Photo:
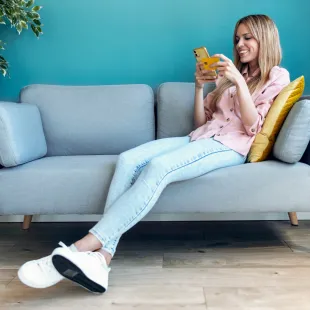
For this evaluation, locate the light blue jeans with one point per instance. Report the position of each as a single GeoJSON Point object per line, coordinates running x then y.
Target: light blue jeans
{"type": "Point", "coordinates": [143, 172]}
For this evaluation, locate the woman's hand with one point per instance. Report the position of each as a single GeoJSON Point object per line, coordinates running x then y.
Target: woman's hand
{"type": "Point", "coordinates": [226, 68]}
{"type": "Point", "coordinates": [203, 76]}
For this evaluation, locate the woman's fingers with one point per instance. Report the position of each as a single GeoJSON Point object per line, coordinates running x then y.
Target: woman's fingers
{"type": "Point", "coordinates": [205, 76]}
{"type": "Point", "coordinates": [220, 64]}
{"type": "Point", "coordinates": [223, 57]}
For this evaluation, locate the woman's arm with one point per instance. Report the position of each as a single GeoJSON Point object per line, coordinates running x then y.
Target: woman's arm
{"type": "Point", "coordinates": [248, 109]}
{"type": "Point", "coordinates": [200, 117]}
{"type": "Point", "coordinates": [253, 114]}
{"type": "Point", "coordinates": [279, 78]}
{"type": "Point", "coordinates": [202, 113]}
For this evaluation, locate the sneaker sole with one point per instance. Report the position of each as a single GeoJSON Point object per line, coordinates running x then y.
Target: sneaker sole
{"type": "Point", "coordinates": [70, 271]}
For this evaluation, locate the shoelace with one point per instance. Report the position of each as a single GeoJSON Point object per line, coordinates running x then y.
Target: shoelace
{"type": "Point", "coordinates": [46, 264]}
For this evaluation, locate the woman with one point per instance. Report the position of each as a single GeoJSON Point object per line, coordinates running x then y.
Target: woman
{"type": "Point", "coordinates": [226, 122]}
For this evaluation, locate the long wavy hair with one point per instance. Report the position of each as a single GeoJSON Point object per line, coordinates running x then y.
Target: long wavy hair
{"type": "Point", "coordinates": [264, 30]}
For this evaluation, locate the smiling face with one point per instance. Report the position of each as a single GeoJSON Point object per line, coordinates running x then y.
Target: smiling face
{"type": "Point", "coordinates": [246, 46]}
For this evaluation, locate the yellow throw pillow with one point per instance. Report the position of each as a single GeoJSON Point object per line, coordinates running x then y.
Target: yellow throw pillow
{"type": "Point", "coordinates": [275, 118]}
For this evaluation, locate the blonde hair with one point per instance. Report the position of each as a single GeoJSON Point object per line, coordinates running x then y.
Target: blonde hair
{"type": "Point", "coordinates": [264, 30]}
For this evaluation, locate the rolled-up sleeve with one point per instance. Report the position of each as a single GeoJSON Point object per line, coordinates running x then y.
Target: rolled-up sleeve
{"type": "Point", "coordinates": [264, 101]}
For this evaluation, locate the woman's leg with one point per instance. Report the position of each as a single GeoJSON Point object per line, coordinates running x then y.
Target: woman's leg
{"type": "Point", "coordinates": [90, 269]}
{"type": "Point", "coordinates": [129, 166]}
{"type": "Point", "coordinates": [189, 161]}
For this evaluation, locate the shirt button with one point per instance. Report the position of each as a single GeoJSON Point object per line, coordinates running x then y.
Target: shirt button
{"type": "Point", "coordinates": [221, 126]}
{"type": "Point", "coordinates": [228, 119]}
{"type": "Point", "coordinates": [231, 95]}
{"type": "Point", "coordinates": [231, 109]}
{"type": "Point", "coordinates": [252, 129]}
{"type": "Point", "coordinates": [218, 134]}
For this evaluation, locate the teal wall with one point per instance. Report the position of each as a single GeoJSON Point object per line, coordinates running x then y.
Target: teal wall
{"type": "Point", "coordinates": [142, 41]}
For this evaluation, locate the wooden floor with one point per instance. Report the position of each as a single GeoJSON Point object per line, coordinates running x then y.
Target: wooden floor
{"type": "Point", "coordinates": [172, 265]}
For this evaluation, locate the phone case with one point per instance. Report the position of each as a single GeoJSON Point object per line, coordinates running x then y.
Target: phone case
{"type": "Point", "coordinates": [202, 55]}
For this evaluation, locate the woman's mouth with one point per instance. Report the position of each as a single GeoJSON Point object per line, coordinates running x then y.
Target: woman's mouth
{"type": "Point", "coordinates": [243, 53]}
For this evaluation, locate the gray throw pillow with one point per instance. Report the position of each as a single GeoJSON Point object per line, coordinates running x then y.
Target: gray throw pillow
{"type": "Point", "coordinates": [294, 135]}
{"type": "Point", "coordinates": [21, 134]}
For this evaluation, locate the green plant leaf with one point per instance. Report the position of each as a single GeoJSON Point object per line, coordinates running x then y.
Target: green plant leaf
{"type": "Point", "coordinates": [35, 15]}
{"type": "Point", "coordinates": [36, 8]}
{"type": "Point", "coordinates": [19, 14]}
{"type": "Point", "coordinates": [24, 24]}
{"type": "Point", "coordinates": [33, 27]}
{"type": "Point", "coordinates": [29, 3]}
{"type": "Point", "coordinates": [3, 71]}
{"type": "Point", "coordinates": [19, 28]}
{"type": "Point", "coordinates": [35, 30]}
{"type": "Point", "coordinates": [37, 22]}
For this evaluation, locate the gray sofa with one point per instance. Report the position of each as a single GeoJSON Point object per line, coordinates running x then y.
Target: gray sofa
{"type": "Point", "coordinates": [87, 127]}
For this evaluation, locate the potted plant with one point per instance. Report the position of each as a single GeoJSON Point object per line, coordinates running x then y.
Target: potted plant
{"type": "Point", "coordinates": [19, 14]}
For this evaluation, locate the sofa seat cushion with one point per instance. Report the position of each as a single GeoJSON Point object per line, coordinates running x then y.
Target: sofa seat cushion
{"type": "Point", "coordinates": [57, 185]}
{"type": "Point", "coordinates": [269, 186]}
{"type": "Point", "coordinates": [80, 184]}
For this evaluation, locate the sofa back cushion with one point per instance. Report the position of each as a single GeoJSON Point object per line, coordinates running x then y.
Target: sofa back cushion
{"type": "Point", "coordinates": [294, 135]}
{"type": "Point", "coordinates": [93, 120]}
{"type": "Point", "coordinates": [175, 108]}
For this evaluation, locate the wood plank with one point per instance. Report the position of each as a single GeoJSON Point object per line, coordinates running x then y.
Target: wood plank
{"type": "Point", "coordinates": [21, 253]}
{"type": "Point", "coordinates": [214, 277]}
{"type": "Point", "coordinates": [7, 274]}
{"type": "Point", "coordinates": [137, 259]}
{"type": "Point", "coordinates": [169, 246]}
{"type": "Point", "coordinates": [63, 295]}
{"type": "Point", "coordinates": [257, 298]}
{"type": "Point", "coordinates": [299, 246]}
{"type": "Point", "coordinates": [246, 259]}
{"type": "Point", "coordinates": [76, 306]}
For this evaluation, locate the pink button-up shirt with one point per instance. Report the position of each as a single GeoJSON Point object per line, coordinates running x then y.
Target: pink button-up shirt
{"type": "Point", "coordinates": [225, 124]}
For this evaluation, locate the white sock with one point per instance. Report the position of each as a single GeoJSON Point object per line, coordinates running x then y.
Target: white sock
{"type": "Point", "coordinates": [73, 248]}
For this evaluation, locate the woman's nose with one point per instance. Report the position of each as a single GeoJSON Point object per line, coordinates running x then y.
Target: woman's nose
{"type": "Point", "coordinates": [240, 43]}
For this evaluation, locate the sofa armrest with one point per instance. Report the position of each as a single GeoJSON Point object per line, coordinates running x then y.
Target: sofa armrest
{"type": "Point", "coordinates": [21, 134]}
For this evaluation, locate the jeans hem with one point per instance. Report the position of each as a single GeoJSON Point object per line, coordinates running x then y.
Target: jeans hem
{"type": "Point", "coordinates": [101, 240]}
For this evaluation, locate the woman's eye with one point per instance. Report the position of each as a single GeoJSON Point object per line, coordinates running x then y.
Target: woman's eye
{"type": "Point", "coordinates": [248, 38]}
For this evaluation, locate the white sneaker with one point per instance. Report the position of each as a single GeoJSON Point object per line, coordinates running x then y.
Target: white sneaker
{"type": "Point", "coordinates": [88, 269]}
{"type": "Point", "coordinates": [41, 273]}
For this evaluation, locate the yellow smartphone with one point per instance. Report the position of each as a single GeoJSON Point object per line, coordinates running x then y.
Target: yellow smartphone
{"type": "Point", "coordinates": [201, 54]}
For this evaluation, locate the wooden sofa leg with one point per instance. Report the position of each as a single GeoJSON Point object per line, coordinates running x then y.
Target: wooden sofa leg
{"type": "Point", "coordinates": [293, 218]}
{"type": "Point", "coordinates": [27, 221]}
